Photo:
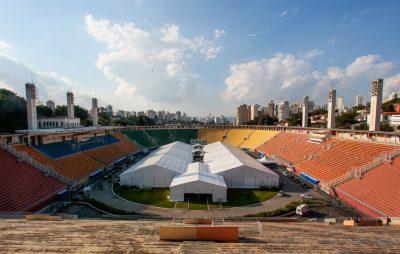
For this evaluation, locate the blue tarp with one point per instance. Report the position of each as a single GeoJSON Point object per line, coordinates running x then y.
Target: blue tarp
{"type": "Point", "coordinates": [309, 178]}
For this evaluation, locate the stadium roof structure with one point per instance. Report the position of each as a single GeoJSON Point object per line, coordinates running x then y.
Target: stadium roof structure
{"type": "Point", "coordinates": [222, 157]}
{"type": "Point", "coordinates": [65, 130]}
{"type": "Point", "coordinates": [198, 171]}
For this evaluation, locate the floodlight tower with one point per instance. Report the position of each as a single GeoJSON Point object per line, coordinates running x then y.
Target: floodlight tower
{"type": "Point", "coordinates": [331, 109]}
{"type": "Point", "coordinates": [94, 112]}
{"type": "Point", "coordinates": [31, 96]}
{"type": "Point", "coordinates": [376, 103]}
{"type": "Point", "coordinates": [304, 121]}
{"type": "Point", "coordinates": [70, 105]}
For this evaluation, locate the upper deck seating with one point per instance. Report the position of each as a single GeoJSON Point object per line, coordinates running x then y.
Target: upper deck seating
{"type": "Point", "coordinates": [23, 187]}
{"type": "Point", "coordinates": [60, 149]}
{"type": "Point", "coordinates": [378, 188]}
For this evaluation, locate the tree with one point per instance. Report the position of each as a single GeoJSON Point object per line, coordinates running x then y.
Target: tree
{"type": "Point", "coordinates": [319, 111]}
{"type": "Point", "coordinates": [362, 126]}
{"type": "Point", "coordinates": [263, 120]}
{"type": "Point", "coordinates": [295, 119]}
{"type": "Point", "coordinates": [345, 120]}
{"type": "Point", "coordinates": [135, 121]}
{"type": "Point", "coordinates": [386, 127]}
{"type": "Point", "coordinates": [81, 113]}
{"type": "Point", "coordinates": [104, 119]}
{"type": "Point", "coordinates": [12, 111]}
{"type": "Point", "coordinates": [44, 111]}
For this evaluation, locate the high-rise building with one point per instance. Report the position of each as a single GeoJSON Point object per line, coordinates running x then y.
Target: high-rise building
{"type": "Point", "coordinates": [31, 96]}
{"type": "Point", "coordinates": [94, 112]}
{"type": "Point", "coordinates": [294, 109]}
{"type": "Point", "coordinates": [304, 119]}
{"type": "Point", "coordinates": [271, 109]}
{"type": "Point", "coordinates": [376, 103]}
{"type": "Point", "coordinates": [70, 105]}
{"type": "Point", "coordinates": [359, 100]}
{"type": "Point", "coordinates": [51, 105]}
{"type": "Point", "coordinates": [283, 110]}
{"type": "Point", "coordinates": [109, 110]}
{"type": "Point", "coordinates": [254, 111]}
{"type": "Point", "coordinates": [340, 104]}
{"type": "Point", "coordinates": [241, 114]}
{"type": "Point", "coordinates": [331, 109]}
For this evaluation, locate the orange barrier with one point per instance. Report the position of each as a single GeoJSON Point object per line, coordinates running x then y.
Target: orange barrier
{"type": "Point", "coordinates": [222, 234]}
{"type": "Point", "coordinates": [44, 217]}
{"type": "Point", "coordinates": [205, 221]}
{"type": "Point", "coordinates": [362, 223]}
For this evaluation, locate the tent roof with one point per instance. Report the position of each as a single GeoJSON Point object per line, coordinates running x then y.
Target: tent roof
{"type": "Point", "coordinates": [174, 157]}
{"type": "Point", "coordinates": [222, 157]}
{"type": "Point", "coordinates": [198, 171]}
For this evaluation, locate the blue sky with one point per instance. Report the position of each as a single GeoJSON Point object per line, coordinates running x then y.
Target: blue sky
{"type": "Point", "coordinates": [198, 56]}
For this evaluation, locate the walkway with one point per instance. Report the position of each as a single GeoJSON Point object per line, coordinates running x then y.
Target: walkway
{"type": "Point", "coordinates": [292, 190]}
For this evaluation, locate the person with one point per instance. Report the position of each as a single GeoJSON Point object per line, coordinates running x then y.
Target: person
{"type": "Point", "coordinates": [388, 220]}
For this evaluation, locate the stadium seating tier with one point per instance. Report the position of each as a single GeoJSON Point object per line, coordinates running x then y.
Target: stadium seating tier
{"type": "Point", "coordinates": [23, 187]}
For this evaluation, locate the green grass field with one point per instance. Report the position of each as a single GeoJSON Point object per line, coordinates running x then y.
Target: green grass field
{"type": "Point", "coordinates": [158, 197]}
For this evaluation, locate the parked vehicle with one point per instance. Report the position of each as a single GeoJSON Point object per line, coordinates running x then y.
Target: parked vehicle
{"type": "Point", "coordinates": [302, 210]}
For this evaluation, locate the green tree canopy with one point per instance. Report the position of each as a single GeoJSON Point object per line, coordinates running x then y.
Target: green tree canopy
{"type": "Point", "coordinates": [12, 112]}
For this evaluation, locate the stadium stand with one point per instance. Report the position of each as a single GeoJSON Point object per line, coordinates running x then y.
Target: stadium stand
{"type": "Point", "coordinates": [23, 187]}
{"type": "Point", "coordinates": [160, 137]}
{"type": "Point", "coordinates": [376, 192]}
{"type": "Point", "coordinates": [257, 138]}
{"type": "Point", "coordinates": [140, 138]}
{"type": "Point", "coordinates": [236, 137]}
{"type": "Point", "coordinates": [60, 149]}
{"type": "Point", "coordinates": [124, 145]}
{"type": "Point", "coordinates": [326, 167]}
{"type": "Point", "coordinates": [105, 154]}
{"type": "Point", "coordinates": [184, 135]}
{"type": "Point", "coordinates": [75, 167]}
{"type": "Point", "coordinates": [212, 135]}
{"type": "Point", "coordinates": [278, 142]}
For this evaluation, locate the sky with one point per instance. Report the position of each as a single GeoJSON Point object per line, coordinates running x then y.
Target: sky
{"type": "Point", "coordinates": [198, 57]}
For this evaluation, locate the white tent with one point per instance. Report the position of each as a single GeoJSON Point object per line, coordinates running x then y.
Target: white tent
{"type": "Point", "coordinates": [238, 168]}
{"type": "Point", "coordinates": [198, 180]}
{"type": "Point", "coordinates": [159, 168]}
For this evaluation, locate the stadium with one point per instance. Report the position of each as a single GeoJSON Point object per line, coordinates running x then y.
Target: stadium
{"type": "Point", "coordinates": [175, 181]}
{"type": "Point", "coordinates": [312, 176]}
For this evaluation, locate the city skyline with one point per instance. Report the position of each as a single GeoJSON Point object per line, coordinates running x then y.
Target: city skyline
{"type": "Point", "coordinates": [154, 55]}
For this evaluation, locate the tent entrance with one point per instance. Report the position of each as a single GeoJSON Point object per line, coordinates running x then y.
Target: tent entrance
{"type": "Point", "coordinates": [196, 197]}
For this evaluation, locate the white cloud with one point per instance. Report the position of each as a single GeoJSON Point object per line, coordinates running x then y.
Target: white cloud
{"type": "Point", "coordinates": [312, 54]}
{"type": "Point", "coordinates": [151, 65]}
{"type": "Point", "coordinates": [285, 76]}
{"type": "Point", "coordinates": [4, 45]}
{"type": "Point", "coordinates": [14, 74]}
{"type": "Point", "coordinates": [260, 32]}
{"type": "Point", "coordinates": [284, 13]}
{"type": "Point", "coordinates": [4, 85]}
{"type": "Point", "coordinates": [218, 33]}
{"type": "Point", "coordinates": [332, 40]}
